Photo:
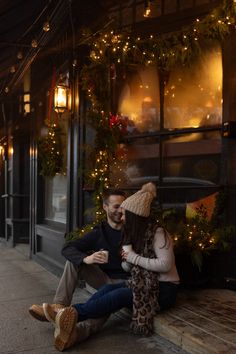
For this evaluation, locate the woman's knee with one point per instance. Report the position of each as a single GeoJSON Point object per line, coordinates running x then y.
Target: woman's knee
{"type": "Point", "coordinates": [110, 287]}
{"type": "Point", "coordinates": [124, 296]}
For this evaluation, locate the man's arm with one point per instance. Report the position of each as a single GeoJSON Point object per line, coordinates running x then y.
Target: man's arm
{"type": "Point", "coordinates": [76, 250]}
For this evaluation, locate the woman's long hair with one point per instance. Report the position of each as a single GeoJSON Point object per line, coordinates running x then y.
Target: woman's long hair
{"type": "Point", "coordinates": [134, 230]}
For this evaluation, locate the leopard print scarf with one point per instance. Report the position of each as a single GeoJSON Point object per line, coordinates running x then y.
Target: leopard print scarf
{"type": "Point", "coordinates": [145, 287]}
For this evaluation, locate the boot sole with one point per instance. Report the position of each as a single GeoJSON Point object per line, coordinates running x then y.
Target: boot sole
{"type": "Point", "coordinates": [64, 326]}
{"type": "Point", "coordinates": [37, 315]}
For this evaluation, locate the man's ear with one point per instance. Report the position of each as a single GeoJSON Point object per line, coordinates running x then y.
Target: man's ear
{"type": "Point", "coordinates": [104, 205]}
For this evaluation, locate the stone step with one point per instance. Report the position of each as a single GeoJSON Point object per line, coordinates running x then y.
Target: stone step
{"type": "Point", "coordinates": [202, 322]}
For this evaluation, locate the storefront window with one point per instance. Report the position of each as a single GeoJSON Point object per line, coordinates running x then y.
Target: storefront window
{"type": "Point", "coordinates": [139, 101]}
{"type": "Point", "coordinates": [191, 159]}
{"type": "Point", "coordinates": [193, 95]}
{"type": "Point", "coordinates": [139, 163]}
{"type": "Point", "coordinates": [56, 187]}
{"type": "Point", "coordinates": [55, 203]}
{"type": "Point", "coordinates": [179, 155]}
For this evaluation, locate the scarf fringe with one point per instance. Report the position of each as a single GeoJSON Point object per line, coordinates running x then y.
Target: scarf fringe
{"type": "Point", "coordinates": [144, 330]}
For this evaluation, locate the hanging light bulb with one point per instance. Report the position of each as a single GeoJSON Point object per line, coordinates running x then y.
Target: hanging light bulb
{"type": "Point", "coordinates": [34, 43]}
{"type": "Point", "coordinates": [12, 69]}
{"type": "Point", "coordinates": [19, 55]}
{"type": "Point", "coordinates": [147, 8]}
{"type": "Point", "coordinates": [46, 26]}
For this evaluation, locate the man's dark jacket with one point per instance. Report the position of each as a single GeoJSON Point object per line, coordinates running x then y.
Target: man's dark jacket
{"type": "Point", "coordinates": [103, 236]}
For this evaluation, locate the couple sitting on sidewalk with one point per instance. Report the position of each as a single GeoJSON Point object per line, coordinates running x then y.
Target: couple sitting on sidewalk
{"type": "Point", "coordinates": [148, 284]}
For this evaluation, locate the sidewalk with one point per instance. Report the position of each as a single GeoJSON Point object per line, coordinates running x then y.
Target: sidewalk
{"type": "Point", "coordinates": [24, 282]}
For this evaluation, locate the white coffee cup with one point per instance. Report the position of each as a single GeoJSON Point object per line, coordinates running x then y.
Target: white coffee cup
{"type": "Point", "coordinates": [106, 254]}
{"type": "Point", "coordinates": [127, 248]}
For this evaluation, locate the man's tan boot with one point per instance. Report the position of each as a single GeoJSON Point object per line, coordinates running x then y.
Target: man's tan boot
{"type": "Point", "coordinates": [50, 312]}
{"type": "Point", "coordinates": [65, 328]}
{"type": "Point", "coordinates": [37, 311]}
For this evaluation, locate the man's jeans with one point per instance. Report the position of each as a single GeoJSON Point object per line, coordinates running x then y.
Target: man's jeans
{"type": "Point", "coordinates": [113, 297]}
{"type": "Point", "coordinates": [92, 274]}
{"type": "Point", "coordinates": [108, 299]}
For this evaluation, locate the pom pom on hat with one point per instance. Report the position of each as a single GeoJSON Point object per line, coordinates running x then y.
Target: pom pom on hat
{"type": "Point", "coordinates": [140, 202]}
{"type": "Point", "coordinates": [149, 188]}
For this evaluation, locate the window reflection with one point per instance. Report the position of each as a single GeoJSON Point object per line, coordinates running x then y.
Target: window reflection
{"type": "Point", "coordinates": [139, 101]}
{"type": "Point", "coordinates": [56, 200]}
{"type": "Point", "coordinates": [56, 187]}
{"type": "Point", "coordinates": [196, 160]}
{"type": "Point", "coordinates": [193, 95]}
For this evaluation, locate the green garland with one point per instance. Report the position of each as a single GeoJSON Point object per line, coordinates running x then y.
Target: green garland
{"type": "Point", "coordinates": [50, 151]}
{"type": "Point", "coordinates": [199, 236]}
{"type": "Point", "coordinates": [164, 50]}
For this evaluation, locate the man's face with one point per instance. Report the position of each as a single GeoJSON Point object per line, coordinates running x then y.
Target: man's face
{"type": "Point", "coordinates": [113, 209]}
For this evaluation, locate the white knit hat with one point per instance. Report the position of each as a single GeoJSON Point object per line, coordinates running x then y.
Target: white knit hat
{"type": "Point", "coordinates": [140, 202]}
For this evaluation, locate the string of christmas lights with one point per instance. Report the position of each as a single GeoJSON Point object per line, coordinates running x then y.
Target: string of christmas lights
{"type": "Point", "coordinates": [167, 49]}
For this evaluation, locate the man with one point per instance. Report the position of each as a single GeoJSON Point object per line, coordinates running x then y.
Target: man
{"type": "Point", "coordinates": [85, 259]}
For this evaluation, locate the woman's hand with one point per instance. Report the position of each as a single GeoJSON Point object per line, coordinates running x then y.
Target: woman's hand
{"type": "Point", "coordinates": [124, 255]}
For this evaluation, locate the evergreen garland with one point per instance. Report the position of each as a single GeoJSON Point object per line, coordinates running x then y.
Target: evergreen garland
{"type": "Point", "coordinates": [50, 151]}
{"type": "Point", "coordinates": [164, 50]}
{"type": "Point", "coordinates": [199, 236]}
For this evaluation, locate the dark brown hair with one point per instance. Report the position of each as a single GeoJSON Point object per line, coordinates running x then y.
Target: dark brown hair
{"type": "Point", "coordinates": [110, 192]}
{"type": "Point", "coordinates": [135, 228]}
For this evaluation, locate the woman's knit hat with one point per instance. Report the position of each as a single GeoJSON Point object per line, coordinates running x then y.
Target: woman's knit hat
{"type": "Point", "coordinates": [140, 202]}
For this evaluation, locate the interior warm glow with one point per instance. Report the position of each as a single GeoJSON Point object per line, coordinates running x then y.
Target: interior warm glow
{"type": "Point", "coordinates": [10, 151]}
{"type": "Point", "coordinates": [139, 100]}
{"type": "Point", "coordinates": [192, 97]}
{"type": "Point", "coordinates": [147, 99]}
{"type": "Point", "coordinates": [196, 99]}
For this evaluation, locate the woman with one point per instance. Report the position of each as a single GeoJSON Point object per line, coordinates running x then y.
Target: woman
{"type": "Point", "coordinates": [153, 283]}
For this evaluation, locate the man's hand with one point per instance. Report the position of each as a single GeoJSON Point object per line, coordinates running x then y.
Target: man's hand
{"type": "Point", "coordinates": [96, 258]}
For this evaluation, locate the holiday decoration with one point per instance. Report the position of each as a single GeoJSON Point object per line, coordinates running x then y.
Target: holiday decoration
{"type": "Point", "coordinates": [164, 50]}
{"type": "Point", "coordinates": [199, 235]}
{"type": "Point", "coordinates": [50, 151]}
{"type": "Point", "coordinates": [111, 52]}
{"type": "Point", "coordinates": [208, 203]}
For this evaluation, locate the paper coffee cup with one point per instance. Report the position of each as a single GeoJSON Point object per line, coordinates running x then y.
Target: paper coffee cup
{"type": "Point", "coordinates": [127, 248]}
{"type": "Point", "coordinates": [106, 254]}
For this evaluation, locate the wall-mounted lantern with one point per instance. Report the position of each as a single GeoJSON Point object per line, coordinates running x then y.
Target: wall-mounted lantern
{"type": "Point", "coordinates": [147, 8]}
{"type": "Point", "coordinates": [1, 150]}
{"type": "Point", "coordinates": [61, 98]}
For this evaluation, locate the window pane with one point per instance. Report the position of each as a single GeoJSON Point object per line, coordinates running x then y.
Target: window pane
{"type": "Point", "coordinates": [139, 100]}
{"type": "Point", "coordinates": [56, 187]}
{"type": "Point", "coordinates": [55, 202]}
{"type": "Point", "coordinates": [137, 163]}
{"type": "Point", "coordinates": [192, 159]}
{"type": "Point", "coordinates": [193, 95]}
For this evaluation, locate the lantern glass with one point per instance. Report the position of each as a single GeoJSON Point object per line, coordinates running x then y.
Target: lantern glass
{"type": "Point", "coordinates": [61, 98]}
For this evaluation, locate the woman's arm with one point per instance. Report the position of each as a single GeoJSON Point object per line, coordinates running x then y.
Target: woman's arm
{"type": "Point", "coordinates": [164, 255]}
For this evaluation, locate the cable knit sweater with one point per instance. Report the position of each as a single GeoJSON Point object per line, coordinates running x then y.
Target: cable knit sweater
{"type": "Point", "coordinates": [164, 263]}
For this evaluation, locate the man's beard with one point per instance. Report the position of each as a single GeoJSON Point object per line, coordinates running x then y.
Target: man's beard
{"type": "Point", "coordinates": [115, 217]}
